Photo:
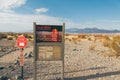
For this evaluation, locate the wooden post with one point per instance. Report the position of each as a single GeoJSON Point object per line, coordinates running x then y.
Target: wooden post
{"type": "Point", "coordinates": [34, 29]}
{"type": "Point", "coordinates": [63, 51]}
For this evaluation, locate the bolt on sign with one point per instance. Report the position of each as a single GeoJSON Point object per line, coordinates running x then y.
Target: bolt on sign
{"type": "Point", "coordinates": [49, 44]}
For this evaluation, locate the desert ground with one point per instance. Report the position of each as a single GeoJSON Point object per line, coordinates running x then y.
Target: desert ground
{"type": "Point", "coordinates": [86, 57]}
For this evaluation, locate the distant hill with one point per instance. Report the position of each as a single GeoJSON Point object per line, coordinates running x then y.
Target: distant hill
{"type": "Point", "coordinates": [90, 30]}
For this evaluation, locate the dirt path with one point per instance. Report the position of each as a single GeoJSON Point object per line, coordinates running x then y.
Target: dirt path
{"type": "Point", "coordinates": [10, 58]}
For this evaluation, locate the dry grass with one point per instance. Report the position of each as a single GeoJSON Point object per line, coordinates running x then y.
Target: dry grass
{"type": "Point", "coordinates": [106, 43]}
{"type": "Point", "coordinates": [114, 46]}
{"type": "Point", "coordinates": [72, 38]}
{"type": "Point", "coordinates": [92, 47]}
{"type": "Point", "coordinates": [83, 36]}
{"type": "Point", "coordinates": [89, 39]}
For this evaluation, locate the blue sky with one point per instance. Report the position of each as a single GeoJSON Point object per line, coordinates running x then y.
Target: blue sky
{"type": "Point", "coordinates": [19, 15]}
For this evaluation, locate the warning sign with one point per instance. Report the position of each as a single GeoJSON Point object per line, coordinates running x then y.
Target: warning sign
{"type": "Point", "coordinates": [48, 46]}
{"type": "Point", "coordinates": [49, 41]}
{"type": "Point", "coordinates": [21, 41]}
{"type": "Point", "coordinates": [48, 33]}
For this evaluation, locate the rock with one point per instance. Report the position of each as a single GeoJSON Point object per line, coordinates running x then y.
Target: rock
{"type": "Point", "coordinates": [58, 78]}
{"type": "Point", "coordinates": [74, 49]}
{"type": "Point", "coordinates": [112, 76]}
{"type": "Point", "coordinates": [17, 62]}
{"type": "Point", "coordinates": [1, 67]}
{"type": "Point", "coordinates": [17, 77]}
{"type": "Point", "coordinates": [11, 68]}
{"type": "Point", "coordinates": [97, 74]}
{"type": "Point", "coordinates": [4, 78]}
{"type": "Point", "coordinates": [28, 55]}
{"type": "Point", "coordinates": [25, 54]}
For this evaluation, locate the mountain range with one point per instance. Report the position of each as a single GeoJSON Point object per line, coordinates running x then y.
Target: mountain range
{"type": "Point", "coordinates": [90, 30]}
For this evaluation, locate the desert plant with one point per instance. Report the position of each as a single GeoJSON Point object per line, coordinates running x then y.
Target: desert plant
{"type": "Point", "coordinates": [11, 34]}
{"type": "Point", "coordinates": [3, 36]}
{"type": "Point", "coordinates": [10, 38]}
{"type": "Point", "coordinates": [75, 40]}
{"type": "Point", "coordinates": [29, 37]}
{"type": "Point", "coordinates": [114, 45]}
{"type": "Point", "coordinates": [16, 36]}
{"type": "Point", "coordinates": [67, 34]}
{"type": "Point", "coordinates": [95, 40]}
{"type": "Point", "coordinates": [89, 39]}
{"type": "Point", "coordinates": [107, 43]}
{"type": "Point", "coordinates": [106, 37]}
{"type": "Point", "coordinates": [83, 36]}
{"type": "Point", "coordinates": [92, 47]}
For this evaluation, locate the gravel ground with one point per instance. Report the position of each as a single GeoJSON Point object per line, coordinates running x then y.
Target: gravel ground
{"type": "Point", "coordinates": [80, 64]}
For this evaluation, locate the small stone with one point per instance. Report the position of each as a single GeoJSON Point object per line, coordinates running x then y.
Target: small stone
{"type": "Point", "coordinates": [1, 67]}
{"type": "Point", "coordinates": [74, 49]}
{"type": "Point", "coordinates": [112, 76]}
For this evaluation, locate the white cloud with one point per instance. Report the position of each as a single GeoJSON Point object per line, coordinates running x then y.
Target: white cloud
{"type": "Point", "coordinates": [41, 10]}
{"type": "Point", "coordinates": [20, 22]}
{"type": "Point", "coordinates": [8, 11]}
{"type": "Point", "coordinates": [8, 5]}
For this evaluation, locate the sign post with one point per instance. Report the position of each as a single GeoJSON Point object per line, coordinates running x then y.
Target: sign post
{"type": "Point", "coordinates": [22, 63]}
{"type": "Point", "coordinates": [21, 43]}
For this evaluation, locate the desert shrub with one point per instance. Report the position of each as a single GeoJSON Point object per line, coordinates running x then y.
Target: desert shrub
{"type": "Point", "coordinates": [16, 36]}
{"type": "Point", "coordinates": [92, 47]}
{"type": "Point", "coordinates": [3, 36]}
{"type": "Point", "coordinates": [10, 38]}
{"type": "Point", "coordinates": [67, 34]}
{"type": "Point", "coordinates": [70, 40]}
{"type": "Point", "coordinates": [106, 37]}
{"type": "Point", "coordinates": [114, 45]}
{"type": "Point", "coordinates": [95, 40]}
{"type": "Point", "coordinates": [83, 36]}
{"type": "Point", "coordinates": [66, 39]}
{"type": "Point", "coordinates": [26, 35]}
{"type": "Point", "coordinates": [76, 40]}
{"type": "Point", "coordinates": [106, 43]}
{"type": "Point", "coordinates": [29, 37]}
{"type": "Point", "coordinates": [11, 34]}
{"type": "Point", "coordinates": [89, 39]}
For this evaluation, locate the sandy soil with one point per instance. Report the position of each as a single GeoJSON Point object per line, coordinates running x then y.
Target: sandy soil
{"type": "Point", "coordinates": [11, 57]}
{"type": "Point", "coordinates": [80, 62]}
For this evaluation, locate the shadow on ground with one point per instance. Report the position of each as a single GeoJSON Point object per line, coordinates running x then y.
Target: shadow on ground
{"type": "Point", "coordinates": [94, 76]}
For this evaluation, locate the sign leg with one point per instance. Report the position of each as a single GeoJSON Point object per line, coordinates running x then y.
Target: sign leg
{"type": "Point", "coordinates": [21, 63]}
{"type": "Point", "coordinates": [22, 73]}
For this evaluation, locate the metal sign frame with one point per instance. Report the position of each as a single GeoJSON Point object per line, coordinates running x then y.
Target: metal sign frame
{"type": "Point", "coordinates": [37, 44]}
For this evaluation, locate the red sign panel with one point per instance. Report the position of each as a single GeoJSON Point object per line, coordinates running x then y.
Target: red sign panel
{"type": "Point", "coordinates": [48, 33]}
{"type": "Point", "coordinates": [21, 42]}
